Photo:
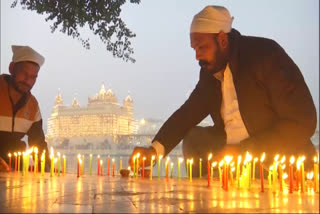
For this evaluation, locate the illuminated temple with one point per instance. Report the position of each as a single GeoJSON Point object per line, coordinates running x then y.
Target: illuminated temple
{"type": "Point", "coordinates": [103, 116]}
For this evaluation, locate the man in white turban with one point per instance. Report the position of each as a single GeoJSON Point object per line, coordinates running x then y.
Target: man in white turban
{"type": "Point", "coordinates": [253, 91]}
{"type": "Point", "coordinates": [19, 110]}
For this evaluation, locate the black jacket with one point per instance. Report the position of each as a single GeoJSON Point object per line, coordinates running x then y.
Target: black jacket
{"type": "Point", "coordinates": [274, 101]}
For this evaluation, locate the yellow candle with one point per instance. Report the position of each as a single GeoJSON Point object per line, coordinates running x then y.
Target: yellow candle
{"type": "Point", "coordinates": [36, 165]}
{"type": "Point", "coordinates": [19, 154]}
{"type": "Point", "coordinates": [200, 167]}
{"type": "Point", "coordinates": [64, 165]}
{"type": "Point", "coordinates": [52, 162]}
{"type": "Point", "coordinates": [316, 175]}
{"type": "Point", "coordinates": [254, 168]}
{"type": "Point", "coordinates": [151, 166]}
{"type": "Point", "coordinates": [191, 161]}
{"type": "Point", "coordinates": [59, 163]}
{"type": "Point", "coordinates": [179, 162]}
{"type": "Point", "coordinates": [137, 164]}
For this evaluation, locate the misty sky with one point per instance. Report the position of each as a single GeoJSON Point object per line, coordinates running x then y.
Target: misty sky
{"type": "Point", "coordinates": [166, 70]}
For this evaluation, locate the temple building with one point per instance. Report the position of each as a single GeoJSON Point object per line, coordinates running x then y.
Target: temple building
{"type": "Point", "coordinates": [103, 116]}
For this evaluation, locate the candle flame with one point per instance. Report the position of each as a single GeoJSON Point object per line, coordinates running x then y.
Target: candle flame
{"type": "Point", "coordinates": [55, 160]}
{"type": "Point", "coordinates": [214, 164]}
{"type": "Point", "coordinates": [79, 156]}
{"type": "Point", "coordinates": [152, 158]}
{"type": "Point", "coordinates": [42, 157]}
{"type": "Point", "coordinates": [262, 157]}
{"type": "Point", "coordinates": [129, 167]}
{"type": "Point", "coordinates": [51, 149]}
{"type": "Point", "coordinates": [315, 159]}
{"type": "Point", "coordinates": [303, 158]}
{"type": "Point", "coordinates": [221, 163]}
{"type": "Point", "coordinates": [112, 159]}
{"type": "Point", "coordinates": [15, 154]}
{"type": "Point", "coordinates": [298, 163]}
{"type": "Point", "coordinates": [138, 155]}
{"type": "Point", "coordinates": [284, 176]}
{"type": "Point", "coordinates": [36, 150]}
{"type": "Point", "coordinates": [171, 164]}
{"type": "Point", "coordinates": [58, 154]}
{"type": "Point", "coordinates": [232, 164]}
{"type": "Point", "coordinates": [160, 157]}
{"type": "Point", "coordinates": [101, 162]}
{"type": "Point", "coordinates": [63, 156]}
{"type": "Point", "coordinates": [239, 159]}
{"type": "Point", "coordinates": [283, 166]}
{"type": "Point", "coordinates": [283, 159]}
{"type": "Point", "coordinates": [144, 158]}
{"type": "Point", "coordinates": [311, 175]}
{"type": "Point", "coordinates": [248, 157]}
{"type": "Point", "coordinates": [90, 155]}
{"type": "Point", "coordinates": [9, 155]}
{"type": "Point", "coordinates": [255, 159]}
{"type": "Point", "coordinates": [168, 158]}
{"type": "Point", "coordinates": [98, 156]}
{"type": "Point", "coordinates": [292, 159]}
{"type": "Point", "coordinates": [210, 156]}
{"type": "Point", "coordinates": [191, 161]}
{"type": "Point", "coordinates": [233, 169]}
{"type": "Point", "coordinates": [19, 153]}
{"type": "Point", "coordinates": [180, 160]}
{"type": "Point", "coordinates": [276, 157]}
{"type": "Point", "coordinates": [270, 168]}
{"type": "Point", "coordinates": [228, 159]}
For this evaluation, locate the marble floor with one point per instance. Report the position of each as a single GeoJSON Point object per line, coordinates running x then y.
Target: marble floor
{"type": "Point", "coordinates": [103, 194]}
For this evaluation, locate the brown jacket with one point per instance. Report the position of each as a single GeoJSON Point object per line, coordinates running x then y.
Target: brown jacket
{"type": "Point", "coordinates": [274, 101]}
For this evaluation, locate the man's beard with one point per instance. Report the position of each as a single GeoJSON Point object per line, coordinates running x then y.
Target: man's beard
{"type": "Point", "coordinates": [219, 64]}
{"type": "Point", "coordinates": [17, 86]}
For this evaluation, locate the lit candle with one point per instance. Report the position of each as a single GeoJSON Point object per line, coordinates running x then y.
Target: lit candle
{"type": "Point", "coordinates": [212, 166]}
{"type": "Point", "coordinates": [19, 154]}
{"type": "Point", "coordinates": [31, 163]}
{"type": "Point", "coordinates": [23, 163]}
{"type": "Point", "coordinates": [231, 174]}
{"type": "Point", "coordinates": [238, 171]}
{"type": "Point", "coordinates": [55, 166]}
{"type": "Point", "coordinates": [227, 159]}
{"type": "Point", "coordinates": [191, 161]}
{"type": "Point", "coordinates": [52, 162]}
{"type": "Point", "coordinates": [261, 172]}
{"type": "Point", "coordinates": [9, 162]}
{"type": "Point", "coordinates": [59, 164]}
{"type": "Point", "coordinates": [269, 175]}
{"type": "Point", "coordinates": [137, 164]}
{"type": "Point", "coordinates": [159, 164]}
{"type": "Point", "coordinates": [151, 166]}
{"type": "Point", "coordinates": [90, 165]}
{"type": "Point", "coordinates": [101, 167]}
{"type": "Point", "coordinates": [167, 168]}
{"type": "Point", "coordinates": [281, 172]}
{"type": "Point", "coordinates": [200, 167]}
{"type": "Point", "coordinates": [254, 168]}
{"type": "Point", "coordinates": [108, 166]}
{"type": "Point", "coordinates": [64, 165]}
{"type": "Point", "coordinates": [15, 162]}
{"type": "Point", "coordinates": [78, 166]}
{"type": "Point", "coordinates": [188, 161]}
{"type": "Point", "coordinates": [316, 175]}
{"type": "Point", "coordinates": [143, 160]}
{"type": "Point", "coordinates": [208, 168]}
{"type": "Point", "coordinates": [302, 175]}
{"type": "Point", "coordinates": [36, 164]}
{"type": "Point", "coordinates": [179, 161]}
{"type": "Point", "coordinates": [98, 162]}
{"type": "Point", "coordinates": [274, 173]}
{"type": "Point", "coordinates": [113, 166]}
{"type": "Point", "coordinates": [291, 174]}
{"type": "Point", "coordinates": [42, 163]}
{"type": "Point", "coordinates": [171, 170]}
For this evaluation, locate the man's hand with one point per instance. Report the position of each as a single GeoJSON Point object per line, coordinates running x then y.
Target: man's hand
{"type": "Point", "coordinates": [3, 166]}
{"type": "Point", "coordinates": [144, 152]}
{"type": "Point", "coordinates": [228, 149]}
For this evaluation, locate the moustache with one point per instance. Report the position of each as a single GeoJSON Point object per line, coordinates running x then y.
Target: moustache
{"type": "Point", "coordinates": [24, 84]}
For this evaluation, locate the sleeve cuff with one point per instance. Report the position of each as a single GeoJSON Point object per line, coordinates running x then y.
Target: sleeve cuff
{"type": "Point", "coordinates": [159, 148]}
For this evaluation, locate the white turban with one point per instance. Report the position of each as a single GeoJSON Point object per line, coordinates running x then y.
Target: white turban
{"type": "Point", "coordinates": [212, 19]}
{"type": "Point", "coordinates": [25, 53]}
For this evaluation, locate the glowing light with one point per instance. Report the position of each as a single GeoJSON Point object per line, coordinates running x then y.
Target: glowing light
{"type": "Point", "coordinates": [214, 164]}
{"type": "Point", "coordinates": [210, 156]}
{"type": "Point", "coordinates": [262, 157]}
{"type": "Point", "coordinates": [292, 159]}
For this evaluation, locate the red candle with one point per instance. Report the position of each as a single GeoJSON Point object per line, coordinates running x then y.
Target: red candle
{"type": "Point", "coordinates": [208, 168]}
{"type": "Point", "coordinates": [9, 162]}
{"type": "Point", "coordinates": [108, 171]}
{"type": "Point", "coordinates": [143, 160]}
{"type": "Point", "coordinates": [226, 177]}
{"type": "Point", "coordinates": [98, 165]}
{"type": "Point", "coordinates": [113, 167]}
{"type": "Point", "coordinates": [167, 169]}
{"type": "Point", "coordinates": [31, 164]}
{"type": "Point", "coordinates": [291, 175]}
{"type": "Point", "coordinates": [78, 166]}
{"type": "Point", "coordinates": [101, 167]}
{"type": "Point", "coordinates": [261, 172]}
{"type": "Point", "coordinates": [15, 162]}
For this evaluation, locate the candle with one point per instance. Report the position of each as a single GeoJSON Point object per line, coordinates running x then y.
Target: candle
{"type": "Point", "coordinates": [284, 177]}
{"type": "Point", "coordinates": [59, 164]}
{"type": "Point", "coordinates": [316, 175]}
{"type": "Point", "coordinates": [27, 161]}
{"type": "Point", "coordinates": [15, 162]}
{"type": "Point", "coordinates": [137, 164]}
{"type": "Point", "coordinates": [98, 162]}
{"type": "Point", "coordinates": [269, 175]}
{"type": "Point", "coordinates": [90, 165]}
{"type": "Point", "coordinates": [23, 163]}
{"type": "Point", "coordinates": [19, 154]}
{"type": "Point", "coordinates": [191, 161]}
{"type": "Point", "coordinates": [208, 168]}
{"type": "Point", "coordinates": [36, 164]}
{"type": "Point", "coordinates": [159, 164]}
{"type": "Point", "coordinates": [55, 166]}
{"type": "Point", "coordinates": [167, 168]}
{"type": "Point", "coordinates": [254, 168]}
{"type": "Point", "coordinates": [281, 167]}
{"type": "Point", "coordinates": [227, 159]}
{"type": "Point", "coordinates": [188, 168]}
{"type": "Point", "coordinates": [78, 166]}
{"type": "Point", "coordinates": [291, 174]}
{"type": "Point", "coordinates": [274, 173]}
{"type": "Point", "coordinates": [113, 166]}
{"type": "Point", "coordinates": [143, 160]}
{"type": "Point", "coordinates": [212, 166]}
{"type": "Point", "coordinates": [302, 175]}
{"type": "Point", "coordinates": [31, 163]}
{"type": "Point", "coordinates": [151, 166]}
{"type": "Point", "coordinates": [261, 172]}
{"type": "Point", "coordinates": [200, 167]}
{"type": "Point", "coordinates": [9, 162]}
{"type": "Point", "coordinates": [171, 170]}
{"type": "Point", "coordinates": [179, 161]}
{"type": "Point", "coordinates": [238, 171]}
{"type": "Point", "coordinates": [101, 167]}
{"type": "Point", "coordinates": [231, 175]}
{"type": "Point", "coordinates": [52, 162]}
{"type": "Point", "coordinates": [64, 165]}
{"type": "Point", "coordinates": [108, 166]}
{"type": "Point", "coordinates": [42, 163]}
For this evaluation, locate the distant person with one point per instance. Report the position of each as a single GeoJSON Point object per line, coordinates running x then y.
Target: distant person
{"type": "Point", "coordinates": [253, 91]}
{"type": "Point", "coordinates": [19, 109]}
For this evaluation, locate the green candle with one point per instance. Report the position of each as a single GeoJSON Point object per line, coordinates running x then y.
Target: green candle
{"type": "Point", "coordinates": [171, 170]}
{"type": "Point", "coordinates": [191, 161]}
{"type": "Point", "coordinates": [59, 163]}
{"type": "Point", "coordinates": [179, 161]}
{"type": "Point", "coordinates": [90, 165]}
{"type": "Point", "coordinates": [159, 165]}
{"type": "Point", "coordinates": [200, 167]}
{"type": "Point", "coordinates": [187, 168]}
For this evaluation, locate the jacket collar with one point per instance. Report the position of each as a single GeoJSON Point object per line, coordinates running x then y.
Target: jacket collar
{"type": "Point", "coordinates": [234, 53]}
